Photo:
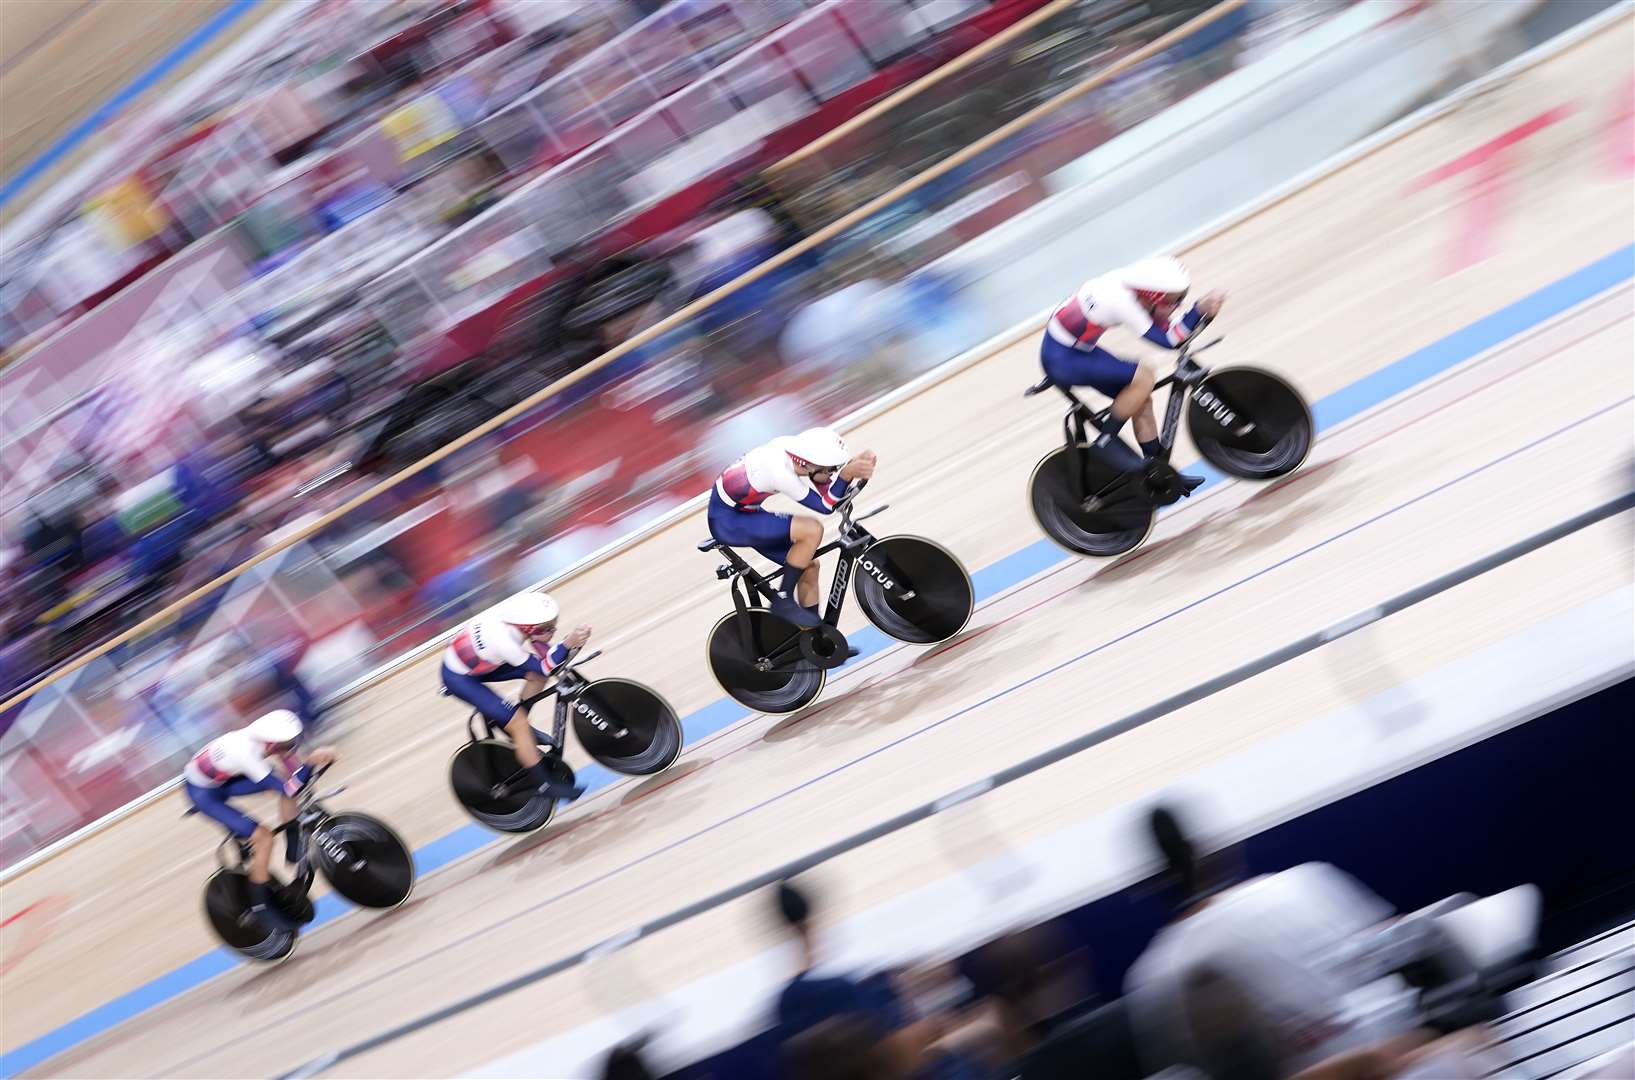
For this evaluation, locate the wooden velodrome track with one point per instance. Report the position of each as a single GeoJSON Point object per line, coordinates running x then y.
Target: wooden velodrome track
{"type": "Point", "coordinates": [1329, 286]}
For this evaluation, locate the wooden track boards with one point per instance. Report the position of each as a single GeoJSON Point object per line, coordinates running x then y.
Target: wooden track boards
{"type": "Point", "coordinates": [1327, 286]}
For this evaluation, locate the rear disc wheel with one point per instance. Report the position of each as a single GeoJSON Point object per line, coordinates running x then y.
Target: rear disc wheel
{"type": "Point", "coordinates": [227, 906]}
{"type": "Point", "coordinates": [487, 781]}
{"type": "Point", "coordinates": [769, 674]}
{"type": "Point", "coordinates": [1054, 495]}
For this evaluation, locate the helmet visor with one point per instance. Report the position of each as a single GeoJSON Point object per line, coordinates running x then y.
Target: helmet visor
{"type": "Point", "coordinates": [812, 465]}
{"type": "Point", "coordinates": [1173, 298]}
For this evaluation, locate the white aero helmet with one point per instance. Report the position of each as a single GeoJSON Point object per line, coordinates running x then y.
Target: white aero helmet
{"type": "Point", "coordinates": [529, 609]}
{"type": "Point", "coordinates": [1156, 277]}
{"type": "Point", "coordinates": [278, 728]}
{"type": "Point", "coordinates": [818, 448]}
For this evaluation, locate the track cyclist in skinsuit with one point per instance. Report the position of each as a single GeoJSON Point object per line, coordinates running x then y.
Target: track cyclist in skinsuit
{"type": "Point", "coordinates": [813, 468]}
{"type": "Point", "coordinates": [511, 641]}
{"type": "Point", "coordinates": [260, 757]}
{"type": "Point", "coordinates": [1145, 298]}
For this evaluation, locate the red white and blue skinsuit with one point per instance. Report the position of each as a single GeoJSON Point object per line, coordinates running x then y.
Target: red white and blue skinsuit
{"type": "Point", "coordinates": [1070, 353]}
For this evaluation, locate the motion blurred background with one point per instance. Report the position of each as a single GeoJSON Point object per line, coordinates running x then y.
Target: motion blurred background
{"type": "Point", "coordinates": [410, 217]}
{"type": "Point", "coordinates": [367, 230]}
{"type": "Point", "coordinates": [399, 220]}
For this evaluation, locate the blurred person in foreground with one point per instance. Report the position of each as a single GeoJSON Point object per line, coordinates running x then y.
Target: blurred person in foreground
{"type": "Point", "coordinates": [258, 757]}
{"type": "Point", "coordinates": [914, 1023]}
{"type": "Point", "coordinates": [627, 1062]}
{"type": "Point", "coordinates": [1051, 1020]}
{"type": "Point", "coordinates": [1266, 977]}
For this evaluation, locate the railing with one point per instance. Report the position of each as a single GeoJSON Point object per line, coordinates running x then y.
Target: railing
{"type": "Point", "coordinates": [717, 28]}
{"type": "Point", "coordinates": [672, 142]}
{"type": "Point", "coordinates": [631, 435]}
{"type": "Point", "coordinates": [593, 95]}
{"type": "Point", "coordinates": [221, 176]}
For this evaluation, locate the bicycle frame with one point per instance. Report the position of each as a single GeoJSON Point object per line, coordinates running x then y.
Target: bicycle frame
{"type": "Point", "coordinates": [309, 815]}
{"type": "Point", "coordinates": [1184, 381]}
{"type": "Point", "coordinates": [751, 590]}
{"type": "Point", "coordinates": [566, 685]}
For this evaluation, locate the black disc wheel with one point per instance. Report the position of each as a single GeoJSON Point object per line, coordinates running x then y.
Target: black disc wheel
{"type": "Point", "coordinates": [364, 860]}
{"type": "Point", "coordinates": [757, 659]}
{"type": "Point", "coordinates": [1250, 423]}
{"type": "Point", "coordinates": [493, 787]}
{"type": "Point", "coordinates": [227, 906]}
{"type": "Point", "coordinates": [913, 589]}
{"type": "Point", "coordinates": [1057, 493]}
{"type": "Point", "coordinates": [627, 727]}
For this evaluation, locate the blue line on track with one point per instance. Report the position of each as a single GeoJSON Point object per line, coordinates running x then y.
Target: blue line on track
{"type": "Point", "coordinates": [1373, 389]}
{"type": "Point", "coordinates": [80, 132]}
{"type": "Point", "coordinates": [539, 906]}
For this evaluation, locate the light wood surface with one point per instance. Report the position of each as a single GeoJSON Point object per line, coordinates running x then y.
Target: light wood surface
{"type": "Point", "coordinates": [175, 608]}
{"type": "Point", "coordinates": [61, 59]}
{"type": "Point", "coordinates": [1326, 286]}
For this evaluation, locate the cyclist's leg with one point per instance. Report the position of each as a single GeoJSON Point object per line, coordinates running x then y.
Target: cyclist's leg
{"type": "Point", "coordinates": [261, 838]}
{"type": "Point", "coordinates": [1135, 402]}
{"type": "Point", "coordinates": [1128, 384]}
{"type": "Point", "coordinates": [513, 718]}
{"type": "Point", "coordinates": [212, 802]}
{"type": "Point", "coordinates": [789, 541]}
{"type": "Point", "coordinates": [805, 534]}
{"type": "Point", "coordinates": [499, 713]}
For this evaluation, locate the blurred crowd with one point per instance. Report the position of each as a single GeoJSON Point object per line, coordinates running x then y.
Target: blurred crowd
{"type": "Point", "coordinates": [310, 406]}
{"type": "Point", "coordinates": [322, 407]}
{"type": "Point", "coordinates": [1303, 973]}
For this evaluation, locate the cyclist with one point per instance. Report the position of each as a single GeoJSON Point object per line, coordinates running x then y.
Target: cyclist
{"type": "Point", "coordinates": [260, 757]}
{"type": "Point", "coordinates": [813, 468]}
{"type": "Point", "coordinates": [1145, 298]}
{"type": "Point", "coordinates": [512, 641]}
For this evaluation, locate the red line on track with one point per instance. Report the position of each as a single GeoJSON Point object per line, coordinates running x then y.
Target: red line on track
{"type": "Point", "coordinates": [1279, 485]}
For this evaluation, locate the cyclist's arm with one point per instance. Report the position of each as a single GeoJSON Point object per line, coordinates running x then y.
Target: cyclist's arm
{"type": "Point", "coordinates": [1175, 334]}
{"type": "Point", "coordinates": [821, 499]}
{"type": "Point", "coordinates": [1124, 310]}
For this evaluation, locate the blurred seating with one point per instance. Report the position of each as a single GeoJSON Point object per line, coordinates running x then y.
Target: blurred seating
{"type": "Point", "coordinates": [350, 361]}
